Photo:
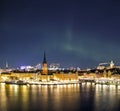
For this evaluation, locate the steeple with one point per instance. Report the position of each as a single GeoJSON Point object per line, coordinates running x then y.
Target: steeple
{"type": "Point", "coordinates": [44, 60]}
{"type": "Point", "coordinates": [111, 64]}
{"type": "Point", "coordinates": [6, 65]}
{"type": "Point", "coordinates": [44, 66]}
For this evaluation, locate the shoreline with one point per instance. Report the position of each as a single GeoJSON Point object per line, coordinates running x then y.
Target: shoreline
{"type": "Point", "coordinates": [100, 81]}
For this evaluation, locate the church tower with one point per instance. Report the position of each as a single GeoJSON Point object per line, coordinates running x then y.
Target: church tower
{"type": "Point", "coordinates": [44, 66]}
{"type": "Point", "coordinates": [6, 65]}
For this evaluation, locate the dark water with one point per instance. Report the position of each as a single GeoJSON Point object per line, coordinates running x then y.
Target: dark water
{"type": "Point", "coordinates": [59, 98]}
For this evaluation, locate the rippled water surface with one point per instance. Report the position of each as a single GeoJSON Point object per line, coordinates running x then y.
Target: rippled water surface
{"type": "Point", "coordinates": [59, 98]}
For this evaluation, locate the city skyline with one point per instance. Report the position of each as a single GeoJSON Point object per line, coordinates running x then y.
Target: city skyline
{"type": "Point", "coordinates": [53, 65]}
{"type": "Point", "coordinates": [75, 33]}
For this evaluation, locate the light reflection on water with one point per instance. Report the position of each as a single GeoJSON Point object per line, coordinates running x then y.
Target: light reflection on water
{"type": "Point", "coordinates": [107, 98]}
{"type": "Point", "coordinates": [72, 97]}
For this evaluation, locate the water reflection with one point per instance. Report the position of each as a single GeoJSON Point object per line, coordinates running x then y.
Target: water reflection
{"type": "Point", "coordinates": [107, 98]}
{"type": "Point", "coordinates": [72, 97]}
{"type": "Point", "coordinates": [13, 97]}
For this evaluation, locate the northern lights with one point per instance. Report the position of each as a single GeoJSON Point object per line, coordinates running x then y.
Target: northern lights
{"type": "Point", "coordinates": [72, 33]}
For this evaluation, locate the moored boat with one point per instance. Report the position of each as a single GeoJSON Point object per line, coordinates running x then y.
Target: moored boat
{"type": "Point", "coordinates": [10, 82]}
{"type": "Point", "coordinates": [20, 82]}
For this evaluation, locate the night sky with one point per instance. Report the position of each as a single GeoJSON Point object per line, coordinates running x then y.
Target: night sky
{"type": "Point", "coordinates": [79, 33]}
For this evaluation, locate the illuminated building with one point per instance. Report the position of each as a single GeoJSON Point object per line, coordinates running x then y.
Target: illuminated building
{"type": "Point", "coordinates": [54, 66]}
{"type": "Point", "coordinates": [106, 65]}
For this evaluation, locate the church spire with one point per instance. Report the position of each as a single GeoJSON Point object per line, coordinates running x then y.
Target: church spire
{"type": "Point", "coordinates": [44, 60]}
{"type": "Point", "coordinates": [44, 66]}
{"type": "Point", "coordinates": [6, 65]}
